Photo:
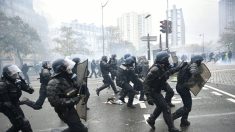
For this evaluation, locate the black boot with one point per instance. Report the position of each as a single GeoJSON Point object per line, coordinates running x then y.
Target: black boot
{"type": "Point", "coordinates": [97, 91]}
{"type": "Point", "coordinates": [184, 123]}
{"type": "Point", "coordinates": [174, 130]}
{"type": "Point", "coordinates": [123, 100]}
{"type": "Point", "coordinates": [130, 106]}
{"type": "Point", "coordinates": [151, 123]}
{"type": "Point", "coordinates": [171, 105]}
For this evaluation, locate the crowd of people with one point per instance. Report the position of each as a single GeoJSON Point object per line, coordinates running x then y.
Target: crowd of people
{"type": "Point", "coordinates": [63, 91]}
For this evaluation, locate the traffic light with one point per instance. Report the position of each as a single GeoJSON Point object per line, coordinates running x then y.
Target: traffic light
{"type": "Point", "coordinates": [169, 27]}
{"type": "Point", "coordinates": [163, 26]}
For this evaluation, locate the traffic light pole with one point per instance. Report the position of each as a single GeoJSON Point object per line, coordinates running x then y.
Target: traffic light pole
{"type": "Point", "coordinates": [167, 46]}
{"type": "Point", "coordinates": [160, 42]}
{"type": "Point", "coordinates": [148, 47]}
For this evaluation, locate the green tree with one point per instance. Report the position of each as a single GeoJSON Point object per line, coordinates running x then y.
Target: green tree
{"type": "Point", "coordinates": [17, 37]}
{"type": "Point", "coordinates": [70, 42]}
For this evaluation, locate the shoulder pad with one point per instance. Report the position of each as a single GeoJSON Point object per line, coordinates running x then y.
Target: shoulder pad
{"type": "Point", "coordinates": [154, 68]}
{"type": "Point", "coordinates": [53, 81]}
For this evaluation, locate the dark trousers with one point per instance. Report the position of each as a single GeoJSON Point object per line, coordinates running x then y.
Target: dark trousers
{"type": "Point", "coordinates": [187, 101]}
{"type": "Point", "coordinates": [113, 74]}
{"type": "Point", "coordinates": [93, 72]}
{"type": "Point", "coordinates": [127, 90]}
{"type": "Point", "coordinates": [107, 82]}
{"type": "Point", "coordinates": [169, 93]}
{"type": "Point", "coordinates": [42, 96]}
{"type": "Point", "coordinates": [17, 119]}
{"type": "Point", "coordinates": [161, 107]}
{"type": "Point", "coordinates": [71, 118]}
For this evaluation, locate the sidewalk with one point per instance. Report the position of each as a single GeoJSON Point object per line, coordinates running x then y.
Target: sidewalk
{"type": "Point", "coordinates": [222, 73]}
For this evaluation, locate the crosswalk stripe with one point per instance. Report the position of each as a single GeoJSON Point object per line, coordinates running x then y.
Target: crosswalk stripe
{"type": "Point", "coordinates": [216, 93]}
{"type": "Point", "coordinates": [223, 92]}
{"type": "Point", "coordinates": [142, 105]}
{"type": "Point", "coordinates": [146, 116]}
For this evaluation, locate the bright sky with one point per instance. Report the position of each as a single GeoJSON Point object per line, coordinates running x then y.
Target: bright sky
{"type": "Point", "coordinates": [201, 16]}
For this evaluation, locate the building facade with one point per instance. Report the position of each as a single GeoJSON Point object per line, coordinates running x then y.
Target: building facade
{"type": "Point", "coordinates": [177, 37]}
{"type": "Point", "coordinates": [226, 14]}
{"type": "Point", "coordinates": [133, 26]}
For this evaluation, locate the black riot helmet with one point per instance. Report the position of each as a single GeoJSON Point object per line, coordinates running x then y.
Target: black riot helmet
{"type": "Point", "coordinates": [104, 58]}
{"type": "Point", "coordinates": [129, 61]}
{"type": "Point", "coordinates": [11, 72]}
{"type": "Point", "coordinates": [126, 55]}
{"type": "Point", "coordinates": [62, 65]}
{"type": "Point", "coordinates": [113, 56]}
{"type": "Point", "coordinates": [46, 65]}
{"type": "Point", "coordinates": [76, 60]}
{"type": "Point", "coordinates": [162, 57]}
{"type": "Point", "coordinates": [196, 59]}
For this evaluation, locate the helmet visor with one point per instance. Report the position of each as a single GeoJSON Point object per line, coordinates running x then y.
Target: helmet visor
{"type": "Point", "coordinates": [13, 69]}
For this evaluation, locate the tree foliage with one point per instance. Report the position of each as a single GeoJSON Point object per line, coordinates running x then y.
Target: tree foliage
{"type": "Point", "coordinates": [70, 42]}
{"type": "Point", "coordinates": [17, 36]}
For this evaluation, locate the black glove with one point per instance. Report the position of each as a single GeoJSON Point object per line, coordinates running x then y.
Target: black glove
{"type": "Point", "coordinates": [30, 90]}
{"type": "Point", "coordinates": [76, 99]}
{"type": "Point", "coordinates": [150, 102]}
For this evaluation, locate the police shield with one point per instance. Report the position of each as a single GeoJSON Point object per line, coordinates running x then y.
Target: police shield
{"type": "Point", "coordinates": [200, 80]}
{"type": "Point", "coordinates": [82, 73]}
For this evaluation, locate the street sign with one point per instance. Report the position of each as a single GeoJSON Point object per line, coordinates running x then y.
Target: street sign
{"type": "Point", "coordinates": [151, 38]}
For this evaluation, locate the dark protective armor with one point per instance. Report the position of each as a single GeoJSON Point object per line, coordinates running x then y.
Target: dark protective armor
{"type": "Point", "coordinates": [45, 76]}
{"type": "Point", "coordinates": [62, 95]}
{"type": "Point", "coordinates": [154, 82]}
{"type": "Point", "coordinates": [113, 67]}
{"type": "Point", "coordinates": [183, 88]}
{"type": "Point", "coordinates": [105, 69]}
{"type": "Point", "coordinates": [125, 75]}
{"type": "Point", "coordinates": [9, 104]}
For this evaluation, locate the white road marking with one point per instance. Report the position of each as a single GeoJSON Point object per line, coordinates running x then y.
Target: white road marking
{"type": "Point", "coordinates": [216, 93]}
{"type": "Point", "coordinates": [176, 102]}
{"type": "Point", "coordinates": [142, 105]}
{"type": "Point", "coordinates": [221, 91]}
{"type": "Point", "coordinates": [204, 88]}
{"type": "Point", "coordinates": [232, 100]}
{"type": "Point", "coordinates": [223, 70]}
{"type": "Point", "coordinates": [146, 116]}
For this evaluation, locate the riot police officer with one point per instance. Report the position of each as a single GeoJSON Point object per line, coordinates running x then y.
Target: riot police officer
{"type": "Point", "coordinates": [11, 86]}
{"type": "Point", "coordinates": [62, 94]}
{"type": "Point", "coordinates": [113, 66]}
{"type": "Point", "coordinates": [153, 84]}
{"type": "Point", "coordinates": [45, 76]}
{"type": "Point", "coordinates": [125, 75]}
{"type": "Point", "coordinates": [105, 69]}
{"type": "Point", "coordinates": [182, 87]}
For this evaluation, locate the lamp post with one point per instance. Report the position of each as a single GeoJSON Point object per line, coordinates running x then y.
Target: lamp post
{"type": "Point", "coordinates": [148, 46]}
{"type": "Point", "coordinates": [102, 7]}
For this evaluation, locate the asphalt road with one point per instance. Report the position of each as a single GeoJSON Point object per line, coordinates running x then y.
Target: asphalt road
{"type": "Point", "coordinates": [213, 111]}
